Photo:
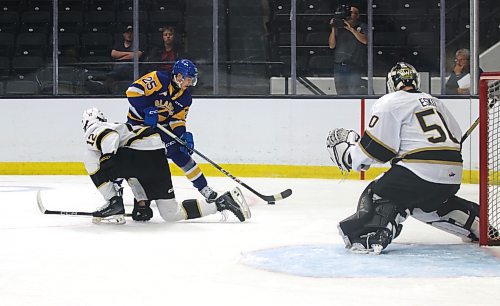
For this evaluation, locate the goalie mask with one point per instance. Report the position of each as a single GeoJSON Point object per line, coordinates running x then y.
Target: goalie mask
{"type": "Point", "coordinates": [402, 75]}
{"type": "Point", "coordinates": [187, 69]}
{"type": "Point", "coordinates": [92, 116]}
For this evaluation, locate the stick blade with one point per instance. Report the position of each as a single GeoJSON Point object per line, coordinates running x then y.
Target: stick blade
{"type": "Point", "coordinates": [280, 196]}
{"type": "Point", "coordinates": [39, 202]}
{"type": "Point", "coordinates": [286, 193]}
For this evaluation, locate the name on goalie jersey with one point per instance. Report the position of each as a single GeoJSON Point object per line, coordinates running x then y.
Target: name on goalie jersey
{"type": "Point", "coordinates": [427, 102]}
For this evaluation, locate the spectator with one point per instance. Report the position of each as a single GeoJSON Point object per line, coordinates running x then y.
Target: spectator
{"type": "Point", "coordinates": [459, 80]}
{"type": "Point", "coordinates": [348, 38]}
{"type": "Point", "coordinates": [122, 52]}
{"type": "Point", "coordinates": [168, 53]}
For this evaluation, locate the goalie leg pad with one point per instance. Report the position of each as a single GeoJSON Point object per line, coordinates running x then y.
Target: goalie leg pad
{"type": "Point", "coordinates": [456, 216]}
{"type": "Point", "coordinates": [376, 222]}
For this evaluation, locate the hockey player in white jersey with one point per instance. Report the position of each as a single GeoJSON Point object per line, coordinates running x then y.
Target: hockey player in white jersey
{"type": "Point", "coordinates": [137, 154]}
{"type": "Point", "coordinates": [417, 134]}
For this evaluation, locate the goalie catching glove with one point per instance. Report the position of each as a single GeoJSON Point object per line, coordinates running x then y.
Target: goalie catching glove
{"type": "Point", "coordinates": [338, 142]}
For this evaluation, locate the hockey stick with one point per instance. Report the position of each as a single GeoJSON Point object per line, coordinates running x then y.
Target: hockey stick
{"type": "Point", "coordinates": [270, 199]}
{"type": "Point", "coordinates": [469, 131]}
{"type": "Point", "coordinates": [62, 212]}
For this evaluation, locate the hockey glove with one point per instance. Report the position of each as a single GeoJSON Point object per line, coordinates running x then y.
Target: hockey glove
{"type": "Point", "coordinates": [151, 116]}
{"type": "Point", "coordinates": [107, 166]}
{"type": "Point", "coordinates": [142, 213]}
{"type": "Point", "coordinates": [338, 142]}
{"type": "Point", "coordinates": [187, 137]}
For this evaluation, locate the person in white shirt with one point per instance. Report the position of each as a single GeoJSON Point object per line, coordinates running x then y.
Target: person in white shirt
{"type": "Point", "coordinates": [420, 138]}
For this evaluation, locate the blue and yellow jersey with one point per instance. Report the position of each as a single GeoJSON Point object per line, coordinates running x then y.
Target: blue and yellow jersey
{"type": "Point", "coordinates": [155, 89]}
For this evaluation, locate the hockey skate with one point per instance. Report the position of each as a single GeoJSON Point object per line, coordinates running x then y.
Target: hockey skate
{"type": "Point", "coordinates": [112, 212]}
{"type": "Point", "coordinates": [209, 194]}
{"type": "Point", "coordinates": [372, 243]}
{"type": "Point", "coordinates": [234, 202]}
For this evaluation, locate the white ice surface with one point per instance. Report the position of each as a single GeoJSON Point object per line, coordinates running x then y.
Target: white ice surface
{"type": "Point", "coordinates": [64, 260]}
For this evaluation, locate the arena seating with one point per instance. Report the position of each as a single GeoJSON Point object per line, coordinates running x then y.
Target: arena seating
{"type": "Point", "coordinates": [249, 34]}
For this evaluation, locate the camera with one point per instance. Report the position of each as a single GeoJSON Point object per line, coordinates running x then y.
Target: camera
{"type": "Point", "coordinates": [342, 13]}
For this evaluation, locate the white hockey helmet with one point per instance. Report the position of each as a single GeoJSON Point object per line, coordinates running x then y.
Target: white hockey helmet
{"type": "Point", "coordinates": [92, 116]}
{"type": "Point", "coordinates": [401, 75]}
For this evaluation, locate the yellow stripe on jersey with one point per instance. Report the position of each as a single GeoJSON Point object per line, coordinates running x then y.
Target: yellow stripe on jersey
{"type": "Point", "coordinates": [176, 124]}
{"type": "Point", "coordinates": [150, 83]}
{"type": "Point", "coordinates": [133, 92]}
{"type": "Point", "coordinates": [131, 116]}
{"type": "Point", "coordinates": [171, 91]}
{"type": "Point", "coordinates": [182, 114]}
{"type": "Point", "coordinates": [193, 173]}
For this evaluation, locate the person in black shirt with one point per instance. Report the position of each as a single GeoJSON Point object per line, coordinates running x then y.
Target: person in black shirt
{"type": "Point", "coordinates": [349, 43]}
{"type": "Point", "coordinates": [122, 52]}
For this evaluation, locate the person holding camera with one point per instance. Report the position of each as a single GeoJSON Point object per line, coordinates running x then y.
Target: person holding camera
{"type": "Point", "coordinates": [349, 39]}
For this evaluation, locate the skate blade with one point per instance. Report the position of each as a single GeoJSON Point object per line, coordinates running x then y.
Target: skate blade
{"type": "Point", "coordinates": [115, 219]}
{"type": "Point", "coordinates": [238, 197]}
{"type": "Point", "coordinates": [377, 249]}
{"type": "Point", "coordinates": [347, 242]}
{"type": "Point", "coordinates": [358, 248]}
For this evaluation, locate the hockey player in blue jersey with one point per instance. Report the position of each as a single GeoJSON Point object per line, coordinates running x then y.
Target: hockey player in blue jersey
{"type": "Point", "coordinates": [164, 98]}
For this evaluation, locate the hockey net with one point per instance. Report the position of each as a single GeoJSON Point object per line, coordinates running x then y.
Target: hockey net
{"type": "Point", "coordinates": [489, 158]}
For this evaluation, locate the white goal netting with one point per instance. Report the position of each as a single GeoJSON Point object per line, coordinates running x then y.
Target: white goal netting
{"type": "Point", "coordinates": [493, 157]}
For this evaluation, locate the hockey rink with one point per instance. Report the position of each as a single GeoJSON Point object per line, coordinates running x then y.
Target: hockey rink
{"type": "Point", "coordinates": [286, 254]}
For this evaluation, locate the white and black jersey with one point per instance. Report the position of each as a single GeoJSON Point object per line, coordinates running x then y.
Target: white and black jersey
{"type": "Point", "coordinates": [106, 138]}
{"type": "Point", "coordinates": [414, 130]}
{"type": "Point", "coordinates": [137, 151]}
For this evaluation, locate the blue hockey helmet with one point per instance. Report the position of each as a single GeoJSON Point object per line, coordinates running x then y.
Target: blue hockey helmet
{"type": "Point", "coordinates": [187, 69]}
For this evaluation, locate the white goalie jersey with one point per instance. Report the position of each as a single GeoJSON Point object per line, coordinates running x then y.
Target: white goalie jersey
{"type": "Point", "coordinates": [104, 137]}
{"type": "Point", "coordinates": [414, 130]}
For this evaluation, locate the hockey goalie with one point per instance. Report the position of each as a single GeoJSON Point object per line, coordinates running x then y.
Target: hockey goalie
{"type": "Point", "coordinates": [418, 135]}
{"type": "Point", "coordinates": [136, 153]}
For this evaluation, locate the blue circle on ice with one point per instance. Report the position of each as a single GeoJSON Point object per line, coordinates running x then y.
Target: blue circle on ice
{"type": "Point", "coordinates": [399, 260]}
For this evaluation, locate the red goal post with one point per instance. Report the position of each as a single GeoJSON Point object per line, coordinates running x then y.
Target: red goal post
{"type": "Point", "coordinates": [489, 158]}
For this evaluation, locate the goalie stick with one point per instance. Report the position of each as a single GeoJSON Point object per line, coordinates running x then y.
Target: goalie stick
{"type": "Point", "coordinates": [270, 199]}
{"type": "Point", "coordinates": [62, 212]}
